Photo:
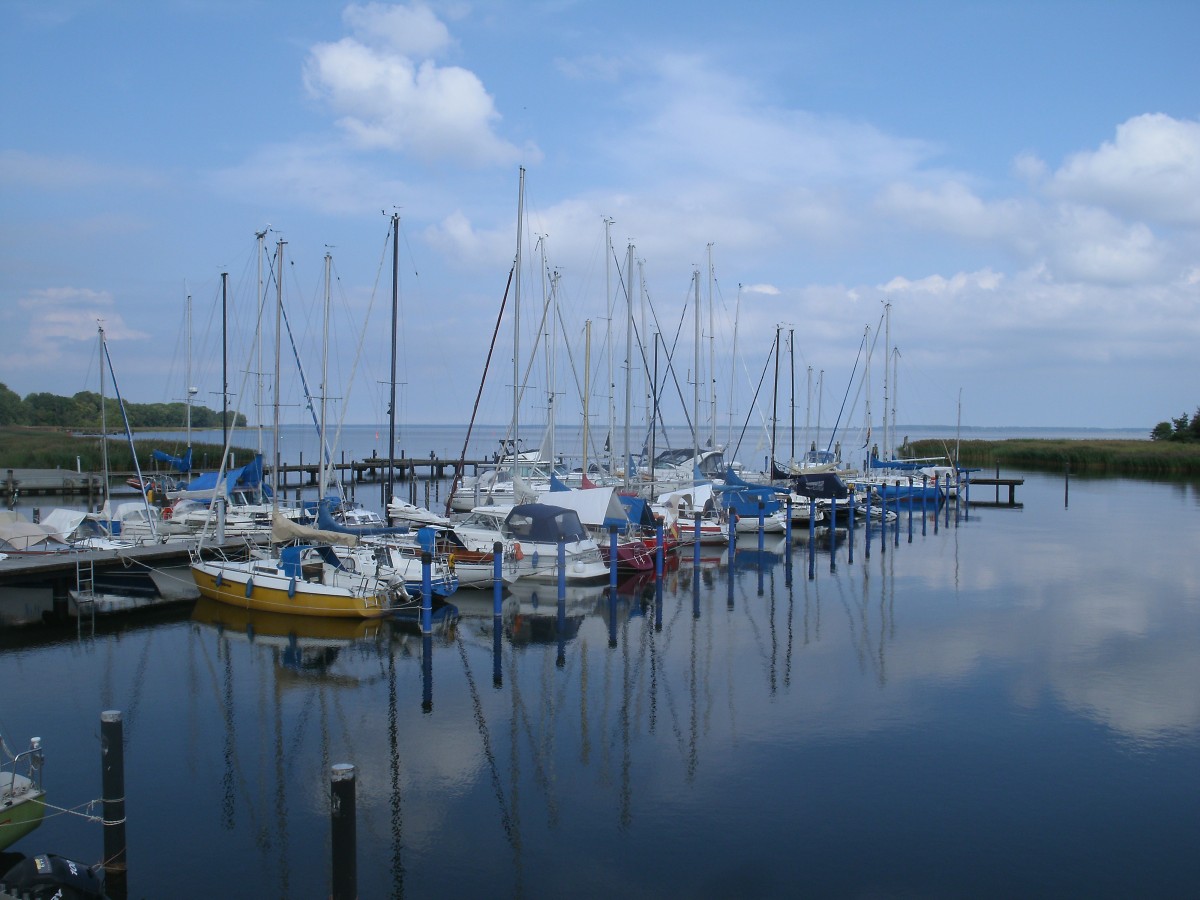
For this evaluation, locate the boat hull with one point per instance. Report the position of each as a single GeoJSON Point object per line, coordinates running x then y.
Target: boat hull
{"type": "Point", "coordinates": [263, 589]}
{"type": "Point", "coordinates": [21, 811]}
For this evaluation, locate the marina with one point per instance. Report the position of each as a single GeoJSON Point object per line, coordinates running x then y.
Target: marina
{"type": "Point", "coordinates": [903, 714]}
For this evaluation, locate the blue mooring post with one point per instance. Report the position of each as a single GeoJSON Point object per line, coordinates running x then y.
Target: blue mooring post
{"type": "Point", "coordinates": [343, 832]}
{"type": "Point", "coordinates": [562, 567]}
{"type": "Point", "coordinates": [833, 535]}
{"type": "Point", "coordinates": [112, 779]}
{"type": "Point", "coordinates": [426, 592]}
{"type": "Point", "coordinates": [936, 511]}
{"type": "Point", "coordinates": [658, 551]}
{"type": "Point", "coordinates": [867, 533]}
{"type": "Point", "coordinates": [560, 627]}
{"type": "Point", "coordinates": [850, 544]}
{"type": "Point", "coordinates": [787, 528]}
{"type": "Point", "coordinates": [612, 619]}
{"type": "Point", "coordinates": [924, 502]}
{"type": "Point", "coordinates": [497, 612]}
{"type": "Point", "coordinates": [732, 535]}
{"type": "Point", "coordinates": [762, 524]}
{"type": "Point", "coordinates": [497, 657]}
{"type": "Point", "coordinates": [910, 506]}
{"type": "Point", "coordinates": [612, 557]}
{"type": "Point", "coordinates": [696, 540]}
{"type": "Point", "coordinates": [658, 604]}
{"type": "Point", "coordinates": [427, 672]}
{"type": "Point", "coordinates": [497, 578]}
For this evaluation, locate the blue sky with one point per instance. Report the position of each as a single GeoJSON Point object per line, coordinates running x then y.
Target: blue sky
{"type": "Point", "coordinates": [1020, 181]}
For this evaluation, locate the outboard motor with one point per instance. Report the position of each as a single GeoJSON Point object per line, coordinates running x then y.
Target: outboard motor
{"type": "Point", "coordinates": [49, 875]}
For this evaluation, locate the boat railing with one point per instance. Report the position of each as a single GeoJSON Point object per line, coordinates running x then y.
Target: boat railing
{"type": "Point", "coordinates": [32, 759]}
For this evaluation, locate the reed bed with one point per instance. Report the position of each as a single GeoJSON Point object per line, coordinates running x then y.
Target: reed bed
{"type": "Point", "coordinates": [1102, 457]}
{"type": "Point", "coordinates": [51, 448]}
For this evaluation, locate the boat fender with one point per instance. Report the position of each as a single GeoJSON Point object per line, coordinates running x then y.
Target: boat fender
{"type": "Point", "coordinates": [249, 587]}
{"type": "Point", "coordinates": [292, 587]}
{"type": "Point", "coordinates": [450, 561]}
{"type": "Point", "coordinates": [517, 551]}
{"type": "Point", "coordinates": [51, 875]}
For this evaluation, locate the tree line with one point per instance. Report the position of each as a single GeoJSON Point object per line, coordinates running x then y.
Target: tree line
{"type": "Point", "coordinates": [1182, 428]}
{"type": "Point", "coordinates": [83, 411]}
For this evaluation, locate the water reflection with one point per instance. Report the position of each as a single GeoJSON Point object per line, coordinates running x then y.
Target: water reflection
{"type": "Point", "coordinates": [713, 715]}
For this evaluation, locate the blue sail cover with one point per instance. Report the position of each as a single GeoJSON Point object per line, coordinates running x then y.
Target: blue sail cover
{"type": "Point", "coordinates": [181, 464]}
{"type": "Point", "coordinates": [544, 523]}
{"type": "Point", "coordinates": [248, 477]}
{"type": "Point", "coordinates": [556, 483]}
{"type": "Point", "coordinates": [638, 511]}
{"type": "Point", "coordinates": [326, 522]}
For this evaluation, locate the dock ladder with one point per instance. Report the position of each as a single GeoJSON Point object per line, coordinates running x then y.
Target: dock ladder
{"type": "Point", "coordinates": [85, 590]}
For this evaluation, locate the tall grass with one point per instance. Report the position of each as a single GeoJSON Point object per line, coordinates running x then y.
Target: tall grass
{"type": "Point", "coordinates": [45, 448]}
{"type": "Point", "coordinates": [1112, 457]}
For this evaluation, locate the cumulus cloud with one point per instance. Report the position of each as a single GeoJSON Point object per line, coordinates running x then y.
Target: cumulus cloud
{"type": "Point", "coordinates": [1150, 170]}
{"type": "Point", "coordinates": [47, 325]}
{"type": "Point", "coordinates": [950, 207]}
{"type": "Point", "coordinates": [389, 92]}
{"type": "Point", "coordinates": [1089, 244]}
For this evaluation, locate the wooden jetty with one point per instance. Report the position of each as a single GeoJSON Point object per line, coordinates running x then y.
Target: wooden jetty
{"type": "Point", "coordinates": [64, 482]}
{"type": "Point", "coordinates": [997, 483]}
{"type": "Point", "coordinates": [35, 586]}
{"type": "Point", "coordinates": [374, 468]}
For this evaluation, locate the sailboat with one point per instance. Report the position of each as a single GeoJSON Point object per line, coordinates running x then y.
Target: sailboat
{"type": "Point", "coordinates": [302, 575]}
{"type": "Point", "coordinates": [21, 795]}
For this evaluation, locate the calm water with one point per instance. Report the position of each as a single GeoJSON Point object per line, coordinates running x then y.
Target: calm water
{"type": "Point", "coordinates": [1007, 707]}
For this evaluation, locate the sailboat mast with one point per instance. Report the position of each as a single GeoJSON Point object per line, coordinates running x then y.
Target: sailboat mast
{"type": "Point", "coordinates": [103, 416]}
{"type": "Point", "coordinates": [628, 357]}
{"type": "Point", "coordinates": [322, 469]}
{"type": "Point", "coordinates": [587, 387]}
{"type": "Point", "coordinates": [608, 340]}
{"type": "Point", "coordinates": [696, 370]}
{"type": "Point", "coordinates": [867, 382]}
{"type": "Point", "coordinates": [260, 302]}
{"type": "Point", "coordinates": [775, 402]}
{"type": "Point", "coordinates": [792, 356]}
{"type": "Point", "coordinates": [391, 482]}
{"type": "Point", "coordinates": [516, 412]}
{"type": "Point", "coordinates": [712, 351]}
{"type": "Point", "coordinates": [191, 391]}
{"type": "Point", "coordinates": [737, 312]}
{"type": "Point", "coordinates": [278, 351]}
{"type": "Point", "coordinates": [887, 344]}
{"type": "Point", "coordinates": [224, 362]}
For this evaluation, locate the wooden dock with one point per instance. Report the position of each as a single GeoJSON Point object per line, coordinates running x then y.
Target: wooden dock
{"type": "Point", "coordinates": [16, 483]}
{"type": "Point", "coordinates": [997, 483]}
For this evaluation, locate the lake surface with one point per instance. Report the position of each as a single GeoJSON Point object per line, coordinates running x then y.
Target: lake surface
{"type": "Point", "coordinates": [1008, 705]}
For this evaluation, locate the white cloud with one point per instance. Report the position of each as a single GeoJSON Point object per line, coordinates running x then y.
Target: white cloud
{"type": "Point", "coordinates": [951, 207]}
{"type": "Point", "coordinates": [389, 93]}
{"type": "Point", "coordinates": [408, 30]}
{"type": "Point", "coordinates": [52, 322]}
{"type": "Point", "coordinates": [769, 289]}
{"type": "Point", "coordinates": [957, 284]}
{"type": "Point", "coordinates": [1089, 244]}
{"type": "Point", "coordinates": [1151, 170]}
